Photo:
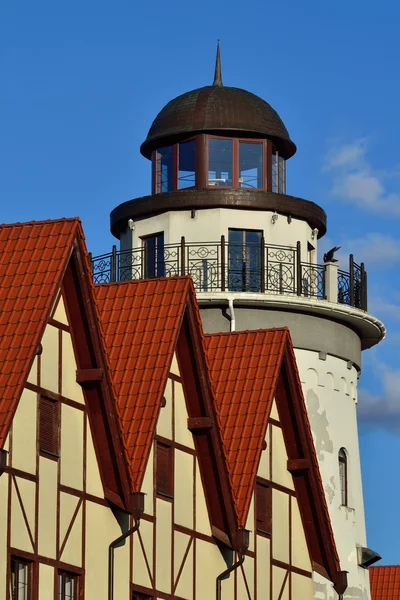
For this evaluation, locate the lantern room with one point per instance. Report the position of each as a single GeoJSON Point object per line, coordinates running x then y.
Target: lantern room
{"type": "Point", "coordinates": [218, 137]}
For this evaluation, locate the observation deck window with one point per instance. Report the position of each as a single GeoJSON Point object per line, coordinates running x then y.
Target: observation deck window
{"type": "Point", "coordinates": [164, 167]}
{"type": "Point", "coordinates": [278, 173]}
{"type": "Point", "coordinates": [186, 164]}
{"type": "Point", "coordinates": [250, 165]}
{"type": "Point", "coordinates": [220, 162]}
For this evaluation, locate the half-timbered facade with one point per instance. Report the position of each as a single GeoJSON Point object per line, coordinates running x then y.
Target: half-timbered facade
{"type": "Point", "coordinates": [112, 392]}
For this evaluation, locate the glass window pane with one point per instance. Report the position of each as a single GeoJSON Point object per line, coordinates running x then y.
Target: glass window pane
{"type": "Point", "coordinates": [282, 175]}
{"type": "Point", "coordinates": [164, 164]}
{"type": "Point", "coordinates": [219, 162]}
{"type": "Point", "coordinates": [274, 174]}
{"type": "Point", "coordinates": [244, 260]}
{"type": "Point", "coordinates": [250, 165]}
{"type": "Point", "coordinates": [154, 265]}
{"type": "Point", "coordinates": [186, 164]}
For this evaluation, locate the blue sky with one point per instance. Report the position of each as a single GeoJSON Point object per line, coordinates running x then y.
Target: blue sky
{"type": "Point", "coordinates": [82, 81]}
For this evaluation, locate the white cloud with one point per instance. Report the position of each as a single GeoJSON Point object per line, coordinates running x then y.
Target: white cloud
{"type": "Point", "coordinates": [381, 306]}
{"type": "Point", "coordinates": [355, 180]}
{"type": "Point", "coordinates": [382, 409]}
{"type": "Point", "coordinates": [376, 248]}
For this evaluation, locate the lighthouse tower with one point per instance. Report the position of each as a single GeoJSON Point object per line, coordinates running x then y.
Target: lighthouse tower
{"type": "Point", "coordinates": [219, 211]}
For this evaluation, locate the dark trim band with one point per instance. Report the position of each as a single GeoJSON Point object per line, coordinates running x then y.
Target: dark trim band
{"type": "Point", "coordinates": [148, 206]}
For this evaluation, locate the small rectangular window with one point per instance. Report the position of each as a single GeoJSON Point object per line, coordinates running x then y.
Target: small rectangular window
{"type": "Point", "coordinates": [20, 584]}
{"type": "Point", "coordinates": [263, 507]}
{"type": "Point", "coordinates": [164, 470]}
{"type": "Point", "coordinates": [67, 586]}
{"type": "Point", "coordinates": [141, 596]}
{"type": "Point", "coordinates": [153, 255]}
{"type": "Point", "coordinates": [49, 411]}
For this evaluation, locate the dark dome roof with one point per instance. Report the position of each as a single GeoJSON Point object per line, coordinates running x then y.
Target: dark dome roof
{"type": "Point", "coordinates": [217, 109]}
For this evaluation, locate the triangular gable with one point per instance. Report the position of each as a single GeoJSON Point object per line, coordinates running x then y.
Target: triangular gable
{"type": "Point", "coordinates": [249, 369]}
{"type": "Point", "coordinates": [33, 258]}
{"type": "Point", "coordinates": [37, 259]}
{"type": "Point", "coordinates": [143, 323]}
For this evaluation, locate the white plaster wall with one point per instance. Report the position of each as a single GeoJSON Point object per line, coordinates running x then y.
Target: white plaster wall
{"type": "Point", "coordinates": [209, 224]}
{"type": "Point", "coordinates": [330, 392]}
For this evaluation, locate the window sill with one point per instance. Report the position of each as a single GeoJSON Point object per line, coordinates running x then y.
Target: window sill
{"type": "Point", "coordinates": [50, 455]}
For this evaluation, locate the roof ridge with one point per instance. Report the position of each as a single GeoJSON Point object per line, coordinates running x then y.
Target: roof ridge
{"type": "Point", "coordinates": [42, 222]}
{"type": "Point", "coordinates": [384, 566]}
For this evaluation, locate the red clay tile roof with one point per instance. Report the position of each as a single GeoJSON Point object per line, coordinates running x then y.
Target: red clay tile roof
{"type": "Point", "coordinates": [140, 321]}
{"type": "Point", "coordinates": [33, 257]}
{"type": "Point", "coordinates": [385, 582]}
{"type": "Point", "coordinates": [244, 368]}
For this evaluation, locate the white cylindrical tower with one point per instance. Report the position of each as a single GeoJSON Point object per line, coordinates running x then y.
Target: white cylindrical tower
{"type": "Point", "coordinates": [219, 212]}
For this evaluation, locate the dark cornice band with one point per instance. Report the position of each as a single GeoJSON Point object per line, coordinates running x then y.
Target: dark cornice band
{"type": "Point", "coordinates": [148, 206]}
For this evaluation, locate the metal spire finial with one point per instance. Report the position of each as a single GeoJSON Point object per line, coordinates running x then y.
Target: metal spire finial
{"type": "Point", "coordinates": [218, 74]}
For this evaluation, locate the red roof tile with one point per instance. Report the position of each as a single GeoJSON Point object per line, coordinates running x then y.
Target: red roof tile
{"type": "Point", "coordinates": [385, 582]}
{"type": "Point", "coordinates": [244, 368]}
{"type": "Point", "coordinates": [140, 321]}
{"type": "Point", "coordinates": [33, 257]}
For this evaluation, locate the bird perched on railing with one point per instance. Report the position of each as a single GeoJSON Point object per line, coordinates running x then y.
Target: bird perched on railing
{"type": "Point", "coordinates": [328, 256]}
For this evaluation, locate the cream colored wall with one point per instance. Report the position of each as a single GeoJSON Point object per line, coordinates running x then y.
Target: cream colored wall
{"type": "Point", "coordinates": [209, 224]}
{"type": "Point", "coordinates": [99, 525]}
{"type": "Point", "coordinates": [288, 541]}
{"type": "Point", "coordinates": [24, 433]}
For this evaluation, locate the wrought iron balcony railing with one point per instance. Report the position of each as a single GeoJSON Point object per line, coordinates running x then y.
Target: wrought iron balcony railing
{"type": "Point", "coordinates": [222, 266]}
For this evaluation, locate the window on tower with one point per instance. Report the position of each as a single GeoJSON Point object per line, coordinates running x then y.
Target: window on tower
{"type": "Point", "coordinates": [164, 166]}
{"type": "Point", "coordinates": [343, 477]}
{"type": "Point", "coordinates": [278, 173]}
{"type": "Point", "coordinates": [186, 164]}
{"type": "Point", "coordinates": [220, 163]}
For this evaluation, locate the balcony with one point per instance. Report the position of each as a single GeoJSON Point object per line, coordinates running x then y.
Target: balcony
{"type": "Point", "coordinates": [223, 267]}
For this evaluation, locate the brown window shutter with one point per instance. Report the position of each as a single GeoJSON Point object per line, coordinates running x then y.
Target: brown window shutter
{"type": "Point", "coordinates": [263, 507]}
{"type": "Point", "coordinates": [164, 469]}
{"type": "Point", "coordinates": [48, 426]}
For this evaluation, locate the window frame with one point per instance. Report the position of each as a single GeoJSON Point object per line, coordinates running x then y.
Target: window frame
{"type": "Point", "coordinates": [235, 162]}
{"type": "Point", "coordinates": [167, 494]}
{"type": "Point", "coordinates": [144, 240]}
{"type": "Point", "coordinates": [75, 577]}
{"type": "Point", "coordinates": [259, 484]}
{"type": "Point", "coordinates": [275, 151]}
{"type": "Point", "coordinates": [30, 567]}
{"type": "Point", "coordinates": [53, 454]}
{"type": "Point", "coordinates": [175, 167]}
{"type": "Point", "coordinates": [343, 479]}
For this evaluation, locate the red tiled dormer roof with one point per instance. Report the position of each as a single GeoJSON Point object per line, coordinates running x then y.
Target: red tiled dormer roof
{"type": "Point", "coordinates": [248, 369]}
{"type": "Point", "coordinates": [385, 582]}
{"type": "Point", "coordinates": [140, 321]}
{"type": "Point", "coordinates": [244, 368]}
{"type": "Point", "coordinates": [33, 257]}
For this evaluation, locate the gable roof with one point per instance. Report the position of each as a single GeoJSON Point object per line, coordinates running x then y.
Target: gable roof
{"type": "Point", "coordinates": [244, 367]}
{"type": "Point", "coordinates": [37, 260]}
{"type": "Point", "coordinates": [385, 582]}
{"type": "Point", "coordinates": [143, 323]}
{"type": "Point", "coordinates": [248, 370]}
{"type": "Point", "coordinates": [140, 322]}
{"type": "Point", "coordinates": [33, 258]}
